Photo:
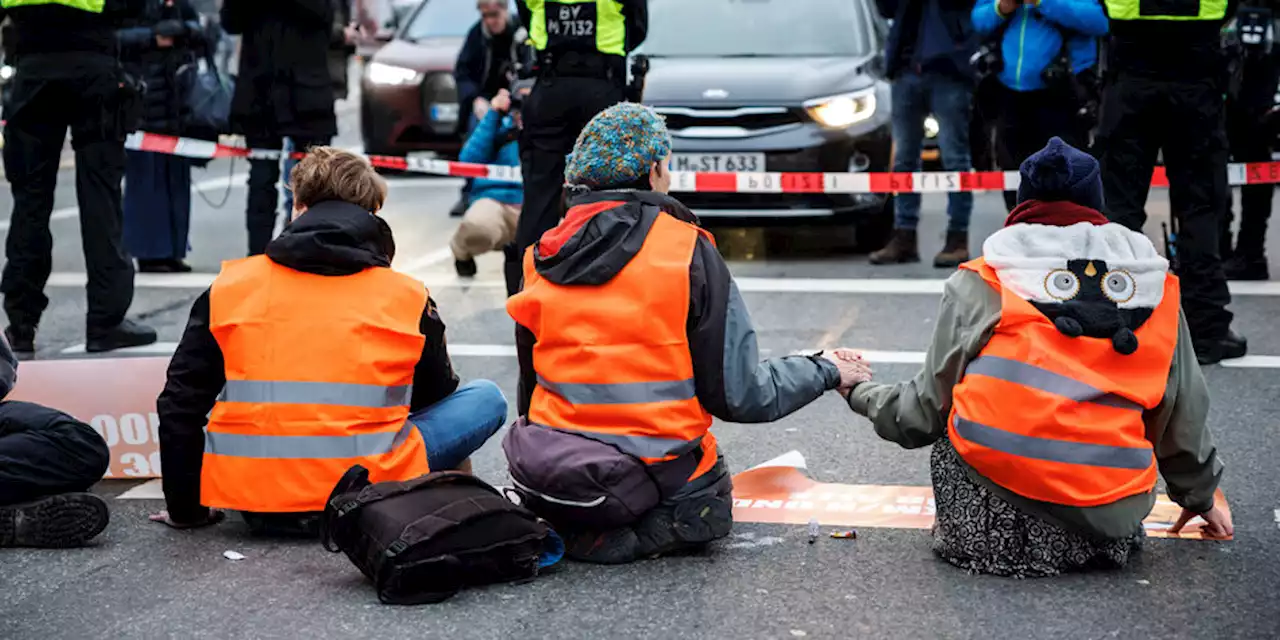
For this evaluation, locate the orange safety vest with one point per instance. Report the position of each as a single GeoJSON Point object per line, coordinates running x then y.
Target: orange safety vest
{"type": "Point", "coordinates": [613, 360]}
{"type": "Point", "coordinates": [1059, 419]}
{"type": "Point", "coordinates": [319, 373]}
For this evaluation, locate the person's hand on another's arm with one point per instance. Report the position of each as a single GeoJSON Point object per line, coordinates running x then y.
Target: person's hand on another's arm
{"type": "Point", "coordinates": [853, 369]}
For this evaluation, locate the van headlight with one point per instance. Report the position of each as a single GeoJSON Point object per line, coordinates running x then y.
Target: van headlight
{"type": "Point", "coordinates": [931, 127]}
{"type": "Point", "coordinates": [380, 73]}
{"type": "Point", "coordinates": [6, 72]}
{"type": "Point", "coordinates": [838, 112]}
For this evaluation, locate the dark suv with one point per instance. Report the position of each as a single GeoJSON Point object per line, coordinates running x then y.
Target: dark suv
{"type": "Point", "coordinates": [774, 85]}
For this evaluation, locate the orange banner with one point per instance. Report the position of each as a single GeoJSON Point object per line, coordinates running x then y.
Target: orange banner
{"type": "Point", "coordinates": [116, 396]}
{"type": "Point", "coordinates": [779, 492]}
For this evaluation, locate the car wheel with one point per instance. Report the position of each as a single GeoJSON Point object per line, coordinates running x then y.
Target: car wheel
{"type": "Point", "coordinates": [873, 231]}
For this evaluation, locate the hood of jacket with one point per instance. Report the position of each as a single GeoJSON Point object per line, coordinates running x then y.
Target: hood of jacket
{"type": "Point", "coordinates": [600, 234]}
{"type": "Point", "coordinates": [334, 239]}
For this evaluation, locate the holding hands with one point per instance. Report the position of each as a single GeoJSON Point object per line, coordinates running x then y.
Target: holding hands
{"type": "Point", "coordinates": [853, 368]}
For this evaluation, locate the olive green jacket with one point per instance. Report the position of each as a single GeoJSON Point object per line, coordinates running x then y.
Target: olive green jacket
{"type": "Point", "coordinates": [914, 414]}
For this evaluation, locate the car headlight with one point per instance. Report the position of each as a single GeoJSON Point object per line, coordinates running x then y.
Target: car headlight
{"type": "Point", "coordinates": [838, 112]}
{"type": "Point", "coordinates": [380, 73]}
{"type": "Point", "coordinates": [6, 72]}
{"type": "Point", "coordinates": [930, 127]}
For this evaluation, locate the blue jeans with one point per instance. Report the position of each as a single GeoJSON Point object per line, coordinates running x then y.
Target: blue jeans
{"type": "Point", "coordinates": [455, 427]}
{"type": "Point", "coordinates": [951, 101]}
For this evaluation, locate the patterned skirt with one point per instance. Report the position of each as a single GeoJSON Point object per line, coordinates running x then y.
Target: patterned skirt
{"type": "Point", "coordinates": [982, 533]}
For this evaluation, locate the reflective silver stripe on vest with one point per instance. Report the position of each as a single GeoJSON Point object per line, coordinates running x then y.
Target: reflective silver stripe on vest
{"type": "Point", "coordinates": [327, 393]}
{"type": "Point", "coordinates": [1032, 376]}
{"type": "Point", "coordinates": [1096, 455]}
{"type": "Point", "coordinates": [361, 445]}
{"type": "Point", "coordinates": [620, 392]}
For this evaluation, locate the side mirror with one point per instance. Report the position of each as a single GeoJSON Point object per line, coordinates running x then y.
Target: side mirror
{"type": "Point", "coordinates": [384, 36]}
{"type": "Point", "coordinates": [876, 66]}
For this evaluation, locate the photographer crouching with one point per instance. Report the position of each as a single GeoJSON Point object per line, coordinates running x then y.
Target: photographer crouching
{"type": "Point", "coordinates": [1037, 73]}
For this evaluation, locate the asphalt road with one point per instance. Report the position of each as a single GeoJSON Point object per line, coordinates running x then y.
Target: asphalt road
{"type": "Point", "coordinates": [141, 580]}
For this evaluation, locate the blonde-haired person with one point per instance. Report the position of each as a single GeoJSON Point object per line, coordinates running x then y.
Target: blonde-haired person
{"type": "Point", "coordinates": [310, 359]}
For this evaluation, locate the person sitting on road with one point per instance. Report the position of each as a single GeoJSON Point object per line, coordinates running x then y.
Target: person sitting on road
{"type": "Point", "coordinates": [48, 462]}
{"type": "Point", "coordinates": [1061, 378]}
{"type": "Point", "coordinates": [631, 335]}
{"type": "Point", "coordinates": [490, 221]}
{"type": "Point", "coordinates": [313, 358]}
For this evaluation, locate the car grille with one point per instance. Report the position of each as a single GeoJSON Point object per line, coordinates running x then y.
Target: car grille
{"type": "Point", "coordinates": [749, 118]}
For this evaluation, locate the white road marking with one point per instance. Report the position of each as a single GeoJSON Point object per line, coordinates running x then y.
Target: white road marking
{"type": "Point", "coordinates": [1278, 517]}
{"type": "Point", "coordinates": [509, 351]}
{"type": "Point", "coordinates": [424, 261]}
{"type": "Point", "coordinates": [151, 490]}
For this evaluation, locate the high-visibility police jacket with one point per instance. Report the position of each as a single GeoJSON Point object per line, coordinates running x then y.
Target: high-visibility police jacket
{"type": "Point", "coordinates": [1172, 10]}
{"type": "Point", "coordinates": [319, 375]}
{"type": "Point", "coordinates": [1059, 419]}
{"type": "Point", "coordinates": [613, 360]}
{"type": "Point", "coordinates": [92, 6]}
{"type": "Point", "coordinates": [578, 25]}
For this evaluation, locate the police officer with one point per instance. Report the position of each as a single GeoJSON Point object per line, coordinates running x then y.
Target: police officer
{"type": "Point", "coordinates": [581, 52]}
{"type": "Point", "coordinates": [1164, 92]}
{"type": "Point", "coordinates": [1256, 60]}
{"type": "Point", "coordinates": [67, 75]}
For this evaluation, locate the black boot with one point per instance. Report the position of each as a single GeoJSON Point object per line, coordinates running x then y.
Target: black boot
{"type": "Point", "coordinates": [954, 251]}
{"type": "Point", "coordinates": [124, 335]}
{"type": "Point", "coordinates": [901, 249]}
{"type": "Point", "coordinates": [1228, 347]}
{"type": "Point", "coordinates": [459, 208]}
{"type": "Point", "coordinates": [60, 521]}
{"type": "Point", "coordinates": [22, 340]}
{"type": "Point", "coordinates": [465, 268]}
{"type": "Point", "coordinates": [1247, 267]}
{"type": "Point", "coordinates": [512, 269]}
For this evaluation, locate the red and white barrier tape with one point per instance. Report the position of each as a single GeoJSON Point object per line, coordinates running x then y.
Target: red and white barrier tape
{"type": "Point", "coordinates": [685, 182]}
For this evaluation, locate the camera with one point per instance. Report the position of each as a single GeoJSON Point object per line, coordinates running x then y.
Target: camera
{"type": "Point", "coordinates": [987, 61]}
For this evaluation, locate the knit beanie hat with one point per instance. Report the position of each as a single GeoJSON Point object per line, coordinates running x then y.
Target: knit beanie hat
{"type": "Point", "coordinates": [1060, 172]}
{"type": "Point", "coordinates": [619, 146]}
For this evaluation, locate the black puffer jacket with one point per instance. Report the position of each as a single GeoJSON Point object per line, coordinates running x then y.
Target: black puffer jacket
{"type": "Point", "coordinates": [158, 67]}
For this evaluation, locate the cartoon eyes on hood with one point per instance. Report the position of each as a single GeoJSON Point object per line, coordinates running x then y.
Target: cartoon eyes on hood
{"type": "Point", "coordinates": [1061, 284]}
{"type": "Point", "coordinates": [1118, 286]}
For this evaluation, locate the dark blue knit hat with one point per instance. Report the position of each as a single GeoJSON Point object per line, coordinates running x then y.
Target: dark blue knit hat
{"type": "Point", "coordinates": [1061, 172]}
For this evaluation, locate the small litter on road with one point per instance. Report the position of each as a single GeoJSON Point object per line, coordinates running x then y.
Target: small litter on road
{"type": "Point", "coordinates": [799, 633]}
{"type": "Point", "coordinates": [813, 530]}
{"type": "Point", "coordinates": [1144, 582]}
{"type": "Point", "coordinates": [851, 534]}
{"type": "Point", "coordinates": [792, 430]}
{"type": "Point", "coordinates": [233, 555]}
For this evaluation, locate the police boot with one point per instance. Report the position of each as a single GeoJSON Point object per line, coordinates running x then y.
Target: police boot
{"type": "Point", "coordinates": [55, 522]}
{"type": "Point", "coordinates": [124, 335]}
{"type": "Point", "coordinates": [22, 340]}
{"type": "Point", "coordinates": [954, 252]}
{"type": "Point", "coordinates": [901, 249]}
{"type": "Point", "coordinates": [1228, 347]}
{"type": "Point", "coordinates": [1243, 266]}
{"type": "Point", "coordinates": [512, 269]}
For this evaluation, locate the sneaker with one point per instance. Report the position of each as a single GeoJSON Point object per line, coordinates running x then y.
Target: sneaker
{"type": "Point", "coordinates": [1228, 347]}
{"type": "Point", "coordinates": [465, 268]}
{"type": "Point", "coordinates": [900, 250]}
{"type": "Point", "coordinates": [124, 335]}
{"type": "Point", "coordinates": [22, 340]}
{"type": "Point", "coordinates": [954, 252]}
{"type": "Point", "coordinates": [61, 521]}
{"type": "Point", "coordinates": [618, 546]}
{"type": "Point", "coordinates": [1240, 267]}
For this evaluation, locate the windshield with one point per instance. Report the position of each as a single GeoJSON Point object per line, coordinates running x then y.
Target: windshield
{"type": "Point", "coordinates": [757, 28]}
{"type": "Point", "coordinates": [444, 19]}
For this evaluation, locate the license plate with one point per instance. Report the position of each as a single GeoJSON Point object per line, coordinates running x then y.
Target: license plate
{"type": "Point", "coordinates": [444, 113]}
{"type": "Point", "coordinates": [718, 162]}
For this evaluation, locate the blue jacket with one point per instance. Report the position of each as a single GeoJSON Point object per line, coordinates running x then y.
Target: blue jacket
{"type": "Point", "coordinates": [1034, 35]}
{"type": "Point", "coordinates": [482, 148]}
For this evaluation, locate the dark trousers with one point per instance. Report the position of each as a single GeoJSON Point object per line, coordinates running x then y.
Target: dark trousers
{"type": "Point", "coordinates": [554, 114]}
{"type": "Point", "coordinates": [157, 205]}
{"type": "Point", "coordinates": [1025, 122]}
{"type": "Point", "coordinates": [264, 196]}
{"type": "Point", "coordinates": [40, 111]}
{"type": "Point", "coordinates": [1251, 140]}
{"type": "Point", "coordinates": [45, 452]}
{"type": "Point", "coordinates": [1142, 116]}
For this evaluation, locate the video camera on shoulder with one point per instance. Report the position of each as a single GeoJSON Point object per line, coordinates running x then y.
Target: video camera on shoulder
{"type": "Point", "coordinates": [1255, 29]}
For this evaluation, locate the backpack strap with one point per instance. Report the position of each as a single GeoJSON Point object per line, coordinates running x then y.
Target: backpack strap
{"type": "Point", "coordinates": [453, 515]}
{"type": "Point", "coordinates": [336, 507]}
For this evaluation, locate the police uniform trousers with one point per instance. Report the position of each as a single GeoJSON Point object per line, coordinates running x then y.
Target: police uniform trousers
{"type": "Point", "coordinates": [1141, 116]}
{"type": "Point", "coordinates": [51, 93]}
{"type": "Point", "coordinates": [1252, 140]}
{"type": "Point", "coordinates": [553, 114]}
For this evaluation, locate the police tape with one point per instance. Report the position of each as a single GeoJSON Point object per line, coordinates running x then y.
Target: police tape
{"type": "Point", "coordinates": [701, 182]}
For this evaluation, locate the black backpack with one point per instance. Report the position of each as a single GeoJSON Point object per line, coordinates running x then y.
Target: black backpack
{"type": "Point", "coordinates": [423, 540]}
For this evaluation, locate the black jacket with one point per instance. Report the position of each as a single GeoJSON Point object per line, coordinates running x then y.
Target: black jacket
{"type": "Point", "coordinates": [1170, 49]}
{"type": "Point", "coordinates": [331, 239]}
{"type": "Point", "coordinates": [476, 60]}
{"type": "Point", "coordinates": [162, 104]}
{"type": "Point", "coordinates": [284, 87]}
{"type": "Point", "coordinates": [730, 380]}
{"type": "Point", "coordinates": [52, 28]}
{"type": "Point", "coordinates": [902, 41]}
